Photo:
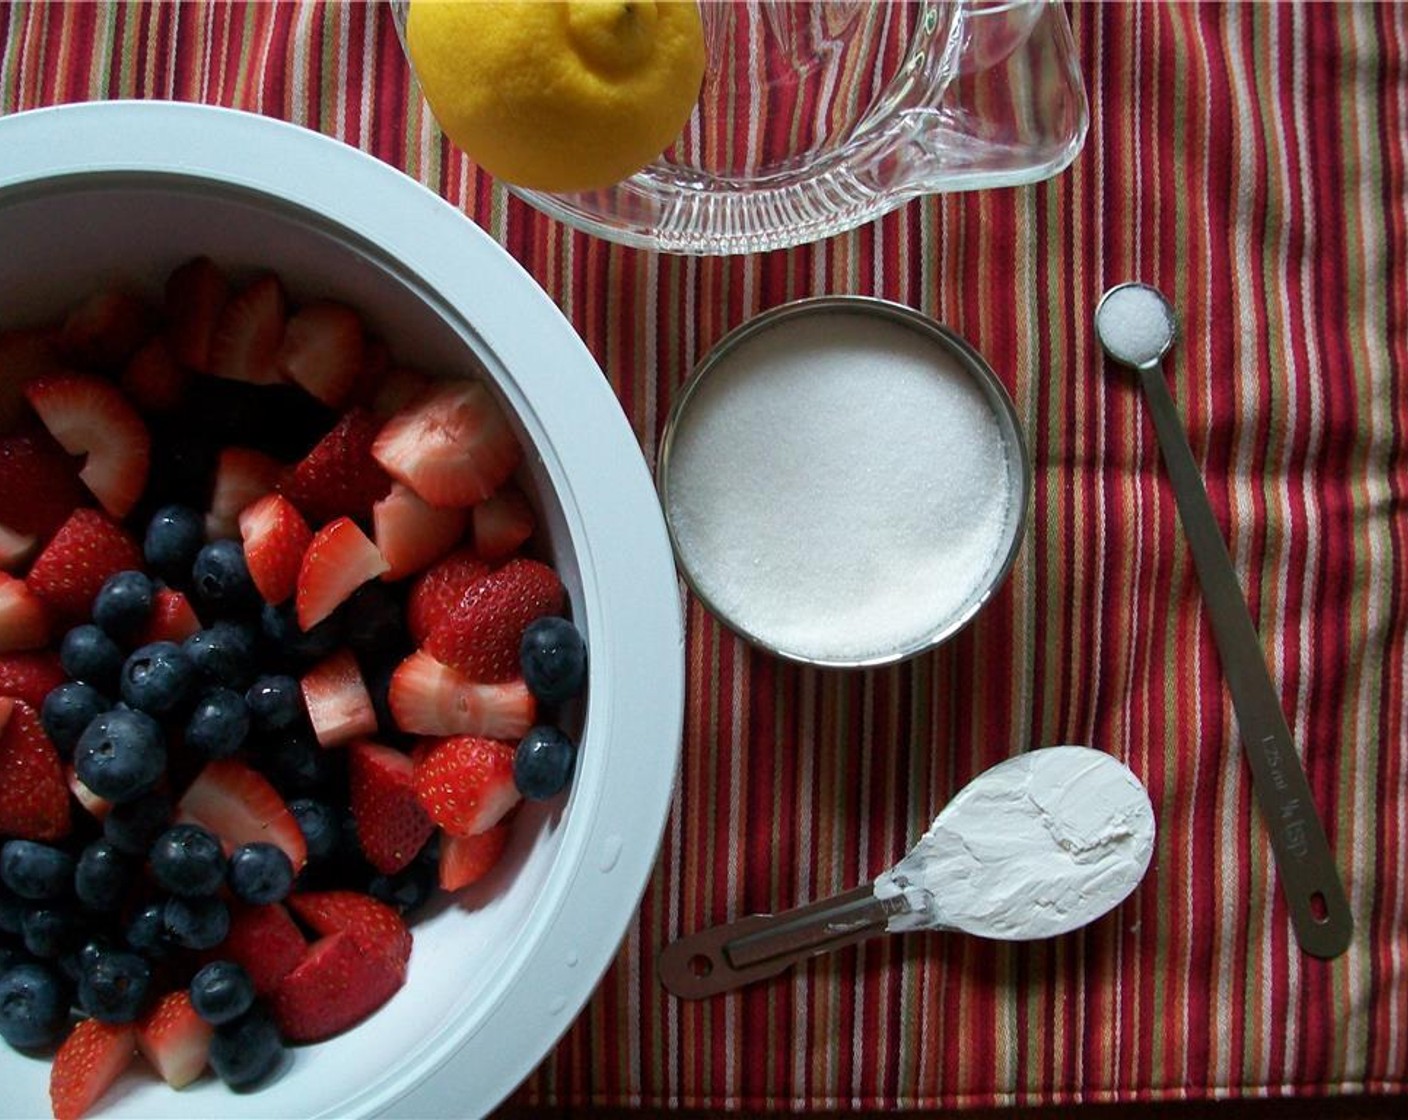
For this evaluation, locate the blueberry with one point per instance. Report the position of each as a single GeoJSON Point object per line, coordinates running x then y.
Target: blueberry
{"type": "Point", "coordinates": [36, 871]}
{"type": "Point", "coordinates": [157, 678]}
{"type": "Point", "coordinates": [542, 764]}
{"type": "Point", "coordinates": [218, 724]}
{"type": "Point", "coordinates": [114, 987]}
{"type": "Point", "coordinates": [146, 932]}
{"type": "Point", "coordinates": [275, 703]}
{"type": "Point", "coordinates": [260, 873]}
{"type": "Point", "coordinates": [223, 654]}
{"type": "Point", "coordinates": [221, 991]}
{"type": "Point", "coordinates": [554, 659]}
{"type": "Point", "coordinates": [296, 764]}
{"type": "Point", "coordinates": [33, 1006]}
{"type": "Point", "coordinates": [174, 538]}
{"type": "Point", "coordinates": [123, 605]}
{"type": "Point", "coordinates": [68, 710]}
{"type": "Point", "coordinates": [246, 1050]}
{"type": "Point", "coordinates": [12, 909]}
{"type": "Point", "coordinates": [373, 624]}
{"type": "Point", "coordinates": [51, 931]}
{"type": "Point", "coordinates": [408, 889]}
{"type": "Point", "coordinates": [221, 579]}
{"type": "Point", "coordinates": [319, 823]}
{"type": "Point", "coordinates": [132, 826]}
{"type": "Point", "coordinates": [121, 755]}
{"type": "Point", "coordinates": [281, 632]}
{"type": "Point", "coordinates": [188, 860]}
{"type": "Point", "coordinates": [102, 877]}
{"type": "Point", "coordinates": [196, 923]}
{"type": "Point", "coordinates": [89, 655]}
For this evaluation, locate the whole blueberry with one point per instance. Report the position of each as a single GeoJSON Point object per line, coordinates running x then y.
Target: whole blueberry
{"type": "Point", "coordinates": [221, 579]}
{"type": "Point", "coordinates": [554, 659]}
{"type": "Point", "coordinates": [196, 923]}
{"type": "Point", "coordinates": [188, 860]}
{"type": "Point", "coordinates": [292, 645]}
{"type": "Point", "coordinates": [121, 756]}
{"type": "Point", "coordinates": [123, 605]}
{"type": "Point", "coordinates": [221, 991]}
{"type": "Point", "coordinates": [68, 710]}
{"type": "Point", "coordinates": [146, 932]}
{"type": "Point", "coordinates": [543, 762]}
{"type": "Point", "coordinates": [91, 656]}
{"type": "Point", "coordinates": [114, 988]}
{"type": "Point", "coordinates": [35, 871]}
{"type": "Point", "coordinates": [295, 764]}
{"type": "Point", "coordinates": [51, 930]}
{"type": "Point", "coordinates": [275, 703]}
{"type": "Point", "coordinates": [157, 678]}
{"type": "Point", "coordinates": [102, 876]}
{"type": "Point", "coordinates": [174, 538]}
{"type": "Point", "coordinates": [260, 873]}
{"type": "Point", "coordinates": [33, 1006]}
{"type": "Point", "coordinates": [218, 723]}
{"type": "Point", "coordinates": [319, 823]}
{"type": "Point", "coordinates": [246, 1050]}
{"type": "Point", "coordinates": [223, 654]}
{"type": "Point", "coordinates": [12, 908]}
{"type": "Point", "coordinates": [407, 889]}
{"type": "Point", "coordinates": [132, 825]}
{"type": "Point", "coordinates": [373, 623]}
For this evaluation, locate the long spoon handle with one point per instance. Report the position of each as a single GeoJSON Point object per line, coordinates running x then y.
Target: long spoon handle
{"type": "Point", "coordinates": [1320, 913]}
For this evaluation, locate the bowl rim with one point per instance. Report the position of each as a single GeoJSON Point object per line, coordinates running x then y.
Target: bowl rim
{"type": "Point", "coordinates": [622, 793]}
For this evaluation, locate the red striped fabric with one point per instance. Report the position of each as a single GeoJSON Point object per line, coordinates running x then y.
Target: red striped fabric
{"type": "Point", "coordinates": [1248, 160]}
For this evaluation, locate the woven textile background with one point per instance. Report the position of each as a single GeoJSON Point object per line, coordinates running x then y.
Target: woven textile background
{"type": "Point", "coordinates": [1250, 161]}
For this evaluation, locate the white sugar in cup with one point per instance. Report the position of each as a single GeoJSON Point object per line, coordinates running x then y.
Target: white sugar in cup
{"type": "Point", "coordinates": [845, 482]}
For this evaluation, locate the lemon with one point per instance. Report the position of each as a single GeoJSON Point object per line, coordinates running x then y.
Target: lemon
{"type": "Point", "coordinates": [559, 96]}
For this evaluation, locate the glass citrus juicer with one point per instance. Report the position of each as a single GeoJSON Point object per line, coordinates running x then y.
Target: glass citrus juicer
{"type": "Point", "coordinates": [815, 118]}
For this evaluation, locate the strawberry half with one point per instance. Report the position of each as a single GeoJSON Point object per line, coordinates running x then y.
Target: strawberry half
{"type": "Point", "coordinates": [466, 783]}
{"type": "Point", "coordinates": [90, 416]}
{"type": "Point", "coordinates": [374, 926]}
{"type": "Point", "coordinates": [265, 941]}
{"type": "Point", "coordinates": [391, 826]}
{"type": "Point", "coordinates": [339, 560]}
{"type": "Point", "coordinates": [453, 446]}
{"type": "Point", "coordinates": [467, 859]}
{"type": "Point", "coordinates": [196, 294]}
{"type": "Point", "coordinates": [174, 1039]}
{"type": "Point", "coordinates": [90, 1059]}
{"type": "Point", "coordinates": [15, 549]}
{"type": "Point", "coordinates": [339, 477]}
{"type": "Point", "coordinates": [106, 329]}
{"type": "Point", "coordinates": [241, 807]}
{"type": "Point", "coordinates": [396, 389]}
{"type": "Point", "coordinates": [323, 351]}
{"type": "Point", "coordinates": [336, 986]}
{"type": "Point", "coordinates": [242, 476]}
{"type": "Point", "coordinates": [275, 540]}
{"type": "Point", "coordinates": [39, 485]}
{"type": "Point", "coordinates": [34, 794]}
{"type": "Point", "coordinates": [153, 380]}
{"type": "Point", "coordinates": [503, 522]}
{"type": "Point", "coordinates": [480, 637]}
{"type": "Point", "coordinates": [24, 621]}
{"type": "Point", "coordinates": [428, 698]}
{"type": "Point", "coordinates": [434, 595]}
{"type": "Point", "coordinates": [74, 565]}
{"type": "Point", "coordinates": [30, 676]}
{"type": "Point", "coordinates": [173, 619]}
{"type": "Point", "coordinates": [247, 336]}
{"type": "Point", "coordinates": [339, 706]}
{"type": "Point", "coordinates": [412, 534]}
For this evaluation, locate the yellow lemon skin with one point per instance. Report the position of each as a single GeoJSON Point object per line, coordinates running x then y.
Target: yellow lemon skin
{"type": "Point", "coordinates": [559, 96]}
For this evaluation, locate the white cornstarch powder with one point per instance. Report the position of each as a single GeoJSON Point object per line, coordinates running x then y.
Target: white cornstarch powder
{"type": "Point", "coordinates": [1134, 324]}
{"type": "Point", "coordinates": [838, 486]}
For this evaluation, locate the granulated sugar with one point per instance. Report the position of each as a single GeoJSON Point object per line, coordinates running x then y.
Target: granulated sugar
{"type": "Point", "coordinates": [838, 487]}
{"type": "Point", "coordinates": [1134, 325]}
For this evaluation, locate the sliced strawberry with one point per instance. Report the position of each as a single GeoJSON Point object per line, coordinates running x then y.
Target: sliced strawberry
{"type": "Point", "coordinates": [398, 388]}
{"type": "Point", "coordinates": [442, 589]}
{"type": "Point", "coordinates": [466, 783]}
{"type": "Point", "coordinates": [391, 826]}
{"type": "Point", "coordinates": [242, 476]}
{"type": "Point", "coordinates": [323, 351]}
{"type": "Point", "coordinates": [467, 859]}
{"type": "Point", "coordinates": [15, 549]}
{"type": "Point", "coordinates": [241, 807]}
{"type": "Point", "coordinates": [153, 380]}
{"type": "Point", "coordinates": [266, 942]}
{"type": "Point", "coordinates": [106, 329]}
{"type": "Point", "coordinates": [90, 416]}
{"type": "Point", "coordinates": [74, 565]}
{"type": "Point", "coordinates": [95, 806]}
{"type": "Point", "coordinates": [34, 802]}
{"type": "Point", "coordinates": [196, 294]}
{"type": "Point", "coordinates": [339, 477]}
{"type": "Point", "coordinates": [411, 534]}
{"type": "Point", "coordinates": [339, 560]}
{"type": "Point", "coordinates": [339, 706]}
{"type": "Point", "coordinates": [174, 1039]}
{"type": "Point", "coordinates": [90, 1059]}
{"type": "Point", "coordinates": [30, 676]}
{"type": "Point", "coordinates": [480, 637]}
{"type": "Point", "coordinates": [24, 620]}
{"type": "Point", "coordinates": [374, 926]}
{"type": "Point", "coordinates": [453, 446]}
{"type": "Point", "coordinates": [428, 698]}
{"type": "Point", "coordinates": [503, 522]}
{"type": "Point", "coordinates": [24, 355]}
{"type": "Point", "coordinates": [173, 619]}
{"type": "Point", "coordinates": [39, 485]}
{"type": "Point", "coordinates": [275, 540]}
{"type": "Point", "coordinates": [334, 987]}
{"type": "Point", "coordinates": [245, 345]}
{"type": "Point", "coordinates": [376, 364]}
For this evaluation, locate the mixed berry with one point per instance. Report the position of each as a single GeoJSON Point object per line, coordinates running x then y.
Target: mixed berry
{"type": "Point", "coordinates": [277, 663]}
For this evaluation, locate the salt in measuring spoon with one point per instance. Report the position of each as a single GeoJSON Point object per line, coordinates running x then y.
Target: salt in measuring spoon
{"type": "Point", "coordinates": [1034, 847]}
{"type": "Point", "coordinates": [1136, 327]}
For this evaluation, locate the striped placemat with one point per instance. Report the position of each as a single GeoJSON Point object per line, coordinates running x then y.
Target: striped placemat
{"type": "Point", "coordinates": [1250, 161]}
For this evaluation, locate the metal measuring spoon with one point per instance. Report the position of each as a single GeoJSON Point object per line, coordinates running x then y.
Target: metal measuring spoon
{"type": "Point", "coordinates": [1033, 847]}
{"type": "Point", "coordinates": [1136, 327]}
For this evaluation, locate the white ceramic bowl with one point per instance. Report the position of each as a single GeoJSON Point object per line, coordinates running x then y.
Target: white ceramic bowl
{"type": "Point", "coordinates": [123, 189]}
